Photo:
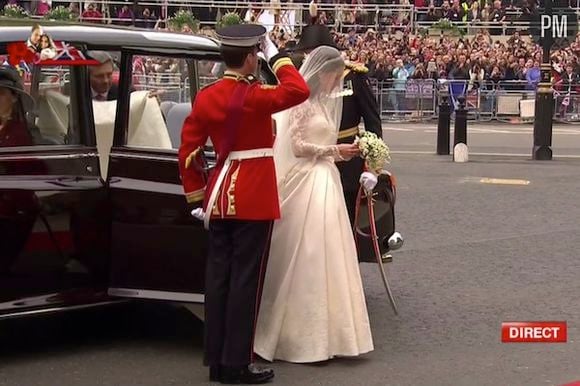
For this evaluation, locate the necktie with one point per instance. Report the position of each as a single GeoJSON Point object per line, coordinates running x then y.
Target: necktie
{"type": "Point", "coordinates": [100, 97]}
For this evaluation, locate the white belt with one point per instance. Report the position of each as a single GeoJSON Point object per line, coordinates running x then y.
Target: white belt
{"type": "Point", "coordinates": [233, 156]}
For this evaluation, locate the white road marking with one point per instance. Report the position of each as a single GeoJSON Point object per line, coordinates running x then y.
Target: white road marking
{"type": "Point", "coordinates": [397, 129]}
{"type": "Point", "coordinates": [478, 130]}
{"type": "Point", "coordinates": [504, 181]}
{"type": "Point", "coordinates": [484, 154]}
{"type": "Point", "coordinates": [411, 152]}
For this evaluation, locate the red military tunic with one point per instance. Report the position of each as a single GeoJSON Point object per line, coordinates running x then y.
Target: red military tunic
{"type": "Point", "coordinates": [249, 190]}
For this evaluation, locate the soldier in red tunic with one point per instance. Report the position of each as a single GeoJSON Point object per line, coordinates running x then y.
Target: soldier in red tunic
{"type": "Point", "coordinates": [240, 196]}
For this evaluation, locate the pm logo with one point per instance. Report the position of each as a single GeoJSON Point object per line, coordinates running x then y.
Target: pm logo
{"type": "Point", "coordinates": [557, 25]}
{"type": "Point", "coordinates": [557, 29]}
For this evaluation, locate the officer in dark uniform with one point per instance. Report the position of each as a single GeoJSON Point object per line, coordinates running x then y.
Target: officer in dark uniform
{"type": "Point", "coordinates": [360, 104]}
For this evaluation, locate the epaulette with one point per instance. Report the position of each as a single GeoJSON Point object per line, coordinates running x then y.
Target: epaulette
{"type": "Point", "coordinates": [209, 85]}
{"type": "Point", "coordinates": [239, 78]}
{"type": "Point", "coordinates": [251, 78]}
{"type": "Point", "coordinates": [357, 67]}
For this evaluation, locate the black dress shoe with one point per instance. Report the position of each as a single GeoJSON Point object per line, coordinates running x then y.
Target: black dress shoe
{"type": "Point", "coordinates": [387, 258]}
{"type": "Point", "coordinates": [214, 373]}
{"type": "Point", "coordinates": [248, 375]}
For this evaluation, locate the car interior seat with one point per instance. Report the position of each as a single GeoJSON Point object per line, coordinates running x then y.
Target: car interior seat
{"type": "Point", "coordinates": [165, 107]}
{"type": "Point", "coordinates": [175, 119]}
{"type": "Point", "coordinates": [53, 116]}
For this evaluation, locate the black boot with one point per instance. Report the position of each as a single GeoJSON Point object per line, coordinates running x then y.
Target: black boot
{"type": "Point", "coordinates": [214, 373]}
{"type": "Point", "coordinates": [248, 375]}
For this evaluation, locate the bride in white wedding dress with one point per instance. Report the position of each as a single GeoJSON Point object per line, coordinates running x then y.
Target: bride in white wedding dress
{"type": "Point", "coordinates": [313, 306]}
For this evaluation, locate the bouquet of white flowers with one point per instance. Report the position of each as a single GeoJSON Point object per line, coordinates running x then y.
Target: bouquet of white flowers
{"type": "Point", "coordinates": [374, 150]}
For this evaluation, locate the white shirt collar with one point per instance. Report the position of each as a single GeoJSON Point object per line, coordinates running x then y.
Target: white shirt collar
{"type": "Point", "coordinates": [95, 94]}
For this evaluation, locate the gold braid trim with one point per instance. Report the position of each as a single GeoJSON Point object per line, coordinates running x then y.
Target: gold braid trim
{"type": "Point", "coordinates": [195, 196]}
{"type": "Point", "coordinates": [231, 211]}
{"type": "Point", "coordinates": [356, 67]}
{"type": "Point", "coordinates": [191, 157]}
{"type": "Point", "coordinates": [348, 133]}
{"type": "Point", "coordinates": [282, 62]}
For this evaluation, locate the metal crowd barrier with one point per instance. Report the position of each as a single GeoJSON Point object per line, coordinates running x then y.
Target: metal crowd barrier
{"type": "Point", "coordinates": [416, 100]}
{"type": "Point", "coordinates": [510, 99]}
{"type": "Point", "coordinates": [408, 100]}
{"type": "Point", "coordinates": [288, 15]}
{"type": "Point", "coordinates": [293, 15]}
{"type": "Point", "coordinates": [504, 101]}
{"type": "Point", "coordinates": [170, 84]}
{"type": "Point", "coordinates": [567, 106]}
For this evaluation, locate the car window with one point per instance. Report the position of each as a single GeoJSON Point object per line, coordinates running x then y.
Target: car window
{"type": "Point", "coordinates": [53, 105]}
{"type": "Point", "coordinates": [160, 101]}
{"type": "Point", "coordinates": [209, 71]}
{"type": "Point", "coordinates": [165, 76]}
{"type": "Point", "coordinates": [41, 115]}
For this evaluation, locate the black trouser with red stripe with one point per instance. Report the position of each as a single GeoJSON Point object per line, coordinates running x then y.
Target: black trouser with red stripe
{"type": "Point", "coordinates": [236, 265]}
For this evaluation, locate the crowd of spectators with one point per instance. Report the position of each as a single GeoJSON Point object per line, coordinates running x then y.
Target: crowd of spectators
{"type": "Point", "coordinates": [119, 14]}
{"type": "Point", "coordinates": [393, 54]}
{"type": "Point", "coordinates": [474, 11]}
{"type": "Point", "coordinates": [353, 12]}
{"type": "Point", "coordinates": [480, 59]}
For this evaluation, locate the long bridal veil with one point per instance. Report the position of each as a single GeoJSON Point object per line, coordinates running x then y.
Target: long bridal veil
{"type": "Point", "coordinates": [322, 70]}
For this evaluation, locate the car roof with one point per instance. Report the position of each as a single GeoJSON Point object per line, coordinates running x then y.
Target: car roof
{"type": "Point", "coordinates": [102, 37]}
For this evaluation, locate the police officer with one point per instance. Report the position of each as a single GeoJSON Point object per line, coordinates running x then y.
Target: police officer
{"type": "Point", "coordinates": [361, 104]}
{"type": "Point", "coordinates": [240, 198]}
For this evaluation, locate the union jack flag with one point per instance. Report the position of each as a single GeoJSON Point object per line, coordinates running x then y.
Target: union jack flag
{"type": "Point", "coordinates": [68, 55]}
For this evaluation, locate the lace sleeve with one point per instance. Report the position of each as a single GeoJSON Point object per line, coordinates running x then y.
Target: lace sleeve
{"type": "Point", "coordinates": [300, 147]}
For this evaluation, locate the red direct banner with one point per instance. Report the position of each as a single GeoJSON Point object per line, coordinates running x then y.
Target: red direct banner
{"type": "Point", "coordinates": [534, 332]}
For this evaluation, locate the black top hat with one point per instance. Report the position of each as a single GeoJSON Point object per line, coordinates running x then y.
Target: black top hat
{"type": "Point", "coordinates": [10, 79]}
{"type": "Point", "coordinates": [241, 35]}
{"type": "Point", "coordinates": [314, 36]}
{"type": "Point", "coordinates": [290, 44]}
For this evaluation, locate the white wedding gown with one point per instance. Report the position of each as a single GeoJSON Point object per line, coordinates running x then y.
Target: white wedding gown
{"type": "Point", "coordinates": [313, 306]}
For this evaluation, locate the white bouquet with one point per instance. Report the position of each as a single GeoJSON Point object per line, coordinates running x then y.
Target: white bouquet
{"type": "Point", "coordinates": [374, 150]}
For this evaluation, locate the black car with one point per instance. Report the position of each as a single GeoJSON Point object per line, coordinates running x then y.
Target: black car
{"type": "Point", "coordinates": [94, 210]}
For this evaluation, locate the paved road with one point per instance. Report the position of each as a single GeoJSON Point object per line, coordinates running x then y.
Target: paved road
{"type": "Point", "coordinates": [476, 254]}
{"type": "Point", "coordinates": [482, 138]}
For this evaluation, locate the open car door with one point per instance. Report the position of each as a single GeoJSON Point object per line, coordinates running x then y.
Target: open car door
{"type": "Point", "coordinates": [158, 249]}
{"type": "Point", "coordinates": [54, 224]}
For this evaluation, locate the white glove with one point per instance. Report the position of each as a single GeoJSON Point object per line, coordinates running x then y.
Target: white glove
{"type": "Point", "coordinates": [268, 48]}
{"type": "Point", "coordinates": [368, 181]}
{"type": "Point", "coordinates": [198, 213]}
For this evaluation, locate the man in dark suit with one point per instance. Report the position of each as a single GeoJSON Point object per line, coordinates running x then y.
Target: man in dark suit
{"type": "Point", "coordinates": [361, 104]}
{"type": "Point", "coordinates": [101, 77]}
